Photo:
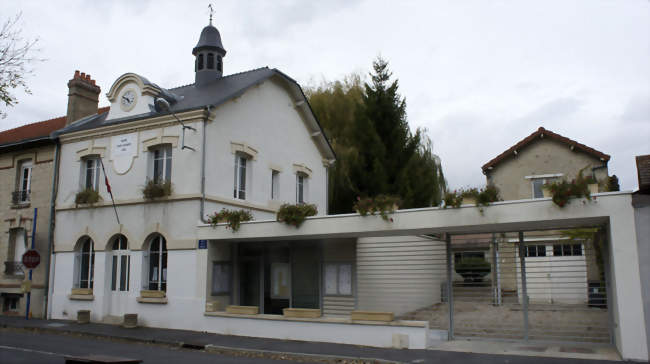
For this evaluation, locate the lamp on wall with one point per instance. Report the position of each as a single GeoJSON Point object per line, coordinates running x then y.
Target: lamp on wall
{"type": "Point", "coordinates": [162, 105]}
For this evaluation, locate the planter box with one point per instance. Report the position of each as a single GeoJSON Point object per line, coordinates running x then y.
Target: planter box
{"type": "Point", "coordinates": [372, 316]}
{"type": "Point", "coordinates": [593, 188]}
{"type": "Point", "coordinates": [468, 201]}
{"type": "Point", "coordinates": [243, 310]}
{"type": "Point", "coordinates": [130, 320]}
{"type": "Point", "coordinates": [83, 316]}
{"type": "Point", "coordinates": [213, 306]}
{"type": "Point", "coordinates": [152, 294]}
{"type": "Point", "coordinates": [301, 312]}
{"type": "Point", "coordinates": [81, 291]}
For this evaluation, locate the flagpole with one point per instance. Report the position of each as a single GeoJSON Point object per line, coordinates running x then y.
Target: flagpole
{"type": "Point", "coordinates": [108, 187]}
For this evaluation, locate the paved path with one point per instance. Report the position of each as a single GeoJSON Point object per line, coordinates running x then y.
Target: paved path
{"type": "Point", "coordinates": [257, 347]}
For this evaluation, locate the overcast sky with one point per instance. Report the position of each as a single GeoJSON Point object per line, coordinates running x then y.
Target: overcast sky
{"type": "Point", "coordinates": [479, 75]}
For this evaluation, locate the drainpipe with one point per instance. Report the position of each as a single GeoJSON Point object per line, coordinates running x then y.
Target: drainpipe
{"type": "Point", "coordinates": [202, 209]}
{"type": "Point", "coordinates": [50, 233]}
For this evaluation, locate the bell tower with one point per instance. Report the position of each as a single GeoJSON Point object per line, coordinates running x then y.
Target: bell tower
{"type": "Point", "coordinates": [208, 54]}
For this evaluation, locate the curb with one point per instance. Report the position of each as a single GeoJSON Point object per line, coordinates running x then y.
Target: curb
{"type": "Point", "coordinates": [224, 350]}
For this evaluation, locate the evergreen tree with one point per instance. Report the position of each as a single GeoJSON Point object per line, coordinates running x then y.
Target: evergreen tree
{"type": "Point", "coordinates": [376, 151]}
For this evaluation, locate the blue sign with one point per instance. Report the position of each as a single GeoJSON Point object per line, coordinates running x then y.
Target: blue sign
{"type": "Point", "coordinates": [203, 244]}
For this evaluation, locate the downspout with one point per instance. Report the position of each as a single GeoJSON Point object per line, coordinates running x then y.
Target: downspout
{"type": "Point", "coordinates": [202, 209]}
{"type": "Point", "coordinates": [50, 233]}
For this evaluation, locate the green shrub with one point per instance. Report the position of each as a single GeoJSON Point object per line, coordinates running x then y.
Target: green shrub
{"type": "Point", "coordinates": [382, 205]}
{"type": "Point", "coordinates": [155, 190]}
{"type": "Point", "coordinates": [562, 190]}
{"type": "Point", "coordinates": [87, 196]}
{"type": "Point", "coordinates": [295, 214]}
{"type": "Point", "coordinates": [452, 199]}
{"type": "Point", "coordinates": [234, 218]}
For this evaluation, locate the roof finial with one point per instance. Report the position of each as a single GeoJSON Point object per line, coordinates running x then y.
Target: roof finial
{"type": "Point", "coordinates": [211, 11]}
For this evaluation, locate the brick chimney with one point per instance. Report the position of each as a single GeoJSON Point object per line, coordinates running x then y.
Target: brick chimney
{"type": "Point", "coordinates": [643, 170]}
{"type": "Point", "coordinates": [83, 97]}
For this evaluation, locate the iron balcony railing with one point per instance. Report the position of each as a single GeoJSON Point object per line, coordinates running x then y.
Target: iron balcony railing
{"type": "Point", "coordinates": [20, 197]}
{"type": "Point", "coordinates": [14, 268]}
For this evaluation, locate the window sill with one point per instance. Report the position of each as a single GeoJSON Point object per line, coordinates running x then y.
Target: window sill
{"type": "Point", "coordinates": [18, 206]}
{"type": "Point", "coordinates": [82, 297]}
{"type": "Point", "coordinates": [154, 300]}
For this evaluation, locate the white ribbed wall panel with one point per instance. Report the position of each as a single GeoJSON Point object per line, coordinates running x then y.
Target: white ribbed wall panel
{"type": "Point", "coordinates": [399, 273]}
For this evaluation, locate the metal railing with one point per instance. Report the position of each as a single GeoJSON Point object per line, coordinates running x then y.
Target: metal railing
{"type": "Point", "coordinates": [20, 197]}
{"type": "Point", "coordinates": [14, 268]}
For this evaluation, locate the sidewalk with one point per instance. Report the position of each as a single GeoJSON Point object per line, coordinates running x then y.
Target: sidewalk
{"type": "Point", "coordinates": [299, 350]}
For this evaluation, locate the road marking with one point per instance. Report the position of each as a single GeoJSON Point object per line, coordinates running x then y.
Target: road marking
{"type": "Point", "coordinates": [30, 350]}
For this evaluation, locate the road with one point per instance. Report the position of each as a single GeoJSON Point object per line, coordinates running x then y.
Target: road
{"type": "Point", "coordinates": [27, 347]}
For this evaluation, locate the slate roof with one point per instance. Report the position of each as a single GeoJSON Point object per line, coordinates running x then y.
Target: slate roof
{"type": "Point", "coordinates": [191, 97]}
{"type": "Point", "coordinates": [33, 132]}
{"type": "Point", "coordinates": [544, 133]}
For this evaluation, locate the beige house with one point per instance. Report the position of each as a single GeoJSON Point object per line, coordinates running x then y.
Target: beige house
{"type": "Point", "coordinates": [27, 172]}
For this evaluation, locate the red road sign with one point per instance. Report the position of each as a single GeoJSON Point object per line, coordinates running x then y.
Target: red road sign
{"type": "Point", "coordinates": [31, 259]}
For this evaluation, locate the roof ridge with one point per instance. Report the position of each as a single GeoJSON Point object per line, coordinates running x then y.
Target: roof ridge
{"type": "Point", "coordinates": [540, 132]}
{"type": "Point", "coordinates": [231, 75]}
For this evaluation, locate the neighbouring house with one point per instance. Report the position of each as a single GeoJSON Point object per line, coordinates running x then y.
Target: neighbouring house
{"type": "Point", "coordinates": [27, 169]}
{"type": "Point", "coordinates": [172, 157]}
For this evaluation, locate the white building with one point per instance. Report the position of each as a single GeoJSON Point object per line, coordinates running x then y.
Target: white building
{"type": "Point", "coordinates": [243, 141]}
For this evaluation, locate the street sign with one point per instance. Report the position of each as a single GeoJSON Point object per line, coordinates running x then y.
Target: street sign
{"type": "Point", "coordinates": [203, 244]}
{"type": "Point", "coordinates": [31, 259]}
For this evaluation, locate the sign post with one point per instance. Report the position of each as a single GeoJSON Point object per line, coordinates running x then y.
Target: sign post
{"type": "Point", "coordinates": [31, 259]}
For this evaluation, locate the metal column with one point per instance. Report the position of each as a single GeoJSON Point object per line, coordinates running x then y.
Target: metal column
{"type": "Point", "coordinates": [450, 290]}
{"type": "Point", "coordinates": [522, 264]}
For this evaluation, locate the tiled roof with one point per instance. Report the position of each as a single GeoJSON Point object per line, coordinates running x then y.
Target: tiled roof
{"type": "Point", "coordinates": [543, 133]}
{"type": "Point", "coordinates": [36, 130]}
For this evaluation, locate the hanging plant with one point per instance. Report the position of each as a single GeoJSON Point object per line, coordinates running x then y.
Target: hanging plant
{"type": "Point", "coordinates": [382, 205]}
{"type": "Point", "coordinates": [87, 196]}
{"type": "Point", "coordinates": [295, 214]}
{"type": "Point", "coordinates": [154, 190]}
{"type": "Point", "coordinates": [487, 195]}
{"type": "Point", "coordinates": [234, 218]}
{"type": "Point", "coordinates": [562, 190]}
{"type": "Point", "coordinates": [480, 197]}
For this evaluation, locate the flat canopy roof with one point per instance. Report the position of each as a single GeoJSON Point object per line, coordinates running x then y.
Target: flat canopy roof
{"type": "Point", "coordinates": [507, 216]}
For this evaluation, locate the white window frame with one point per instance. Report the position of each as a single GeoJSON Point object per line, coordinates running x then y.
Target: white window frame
{"type": "Point", "coordinates": [161, 273]}
{"type": "Point", "coordinates": [79, 257]}
{"type": "Point", "coordinates": [241, 176]}
{"type": "Point", "coordinates": [302, 187]}
{"type": "Point", "coordinates": [117, 266]}
{"type": "Point", "coordinates": [25, 181]}
{"type": "Point", "coordinates": [93, 170]}
{"type": "Point", "coordinates": [165, 156]}
{"type": "Point", "coordinates": [275, 184]}
{"type": "Point", "coordinates": [337, 266]}
{"type": "Point", "coordinates": [545, 178]}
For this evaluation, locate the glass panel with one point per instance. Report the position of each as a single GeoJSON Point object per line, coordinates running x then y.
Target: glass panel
{"type": "Point", "coordinates": [557, 250]}
{"type": "Point", "coordinates": [200, 62]}
{"type": "Point", "coordinates": [566, 250]}
{"type": "Point", "coordinates": [163, 286]}
{"type": "Point", "coordinates": [221, 278]}
{"type": "Point", "coordinates": [85, 261]}
{"type": "Point", "coordinates": [89, 173]}
{"type": "Point", "coordinates": [577, 249]}
{"type": "Point", "coordinates": [114, 275]}
{"type": "Point", "coordinates": [210, 61]}
{"type": "Point", "coordinates": [157, 166]}
{"type": "Point", "coordinates": [537, 188]}
{"type": "Point", "coordinates": [331, 279]}
{"type": "Point", "coordinates": [92, 269]}
{"type": "Point", "coordinates": [168, 164]}
{"type": "Point", "coordinates": [123, 272]}
{"type": "Point", "coordinates": [345, 279]}
{"type": "Point", "coordinates": [153, 270]}
{"type": "Point", "coordinates": [541, 250]}
{"type": "Point", "coordinates": [242, 178]}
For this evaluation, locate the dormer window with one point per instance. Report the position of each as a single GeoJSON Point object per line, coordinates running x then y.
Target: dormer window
{"type": "Point", "coordinates": [210, 61]}
{"type": "Point", "coordinates": [200, 62]}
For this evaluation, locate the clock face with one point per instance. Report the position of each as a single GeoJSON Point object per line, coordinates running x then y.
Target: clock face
{"type": "Point", "coordinates": [127, 101]}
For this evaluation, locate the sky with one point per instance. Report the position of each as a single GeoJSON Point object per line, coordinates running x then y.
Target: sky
{"type": "Point", "coordinates": [478, 75]}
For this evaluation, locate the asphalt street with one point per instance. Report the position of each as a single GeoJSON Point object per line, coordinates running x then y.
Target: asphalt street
{"type": "Point", "coordinates": [41, 348]}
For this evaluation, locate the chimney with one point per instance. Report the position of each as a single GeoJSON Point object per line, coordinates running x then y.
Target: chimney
{"type": "Point", "coordinates": [643, 170]}
{"type": "Point", "coordinates": [83, 97]}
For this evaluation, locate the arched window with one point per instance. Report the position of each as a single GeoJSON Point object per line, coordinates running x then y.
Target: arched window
{"type": "Point", "coordinates": [210, 61]}
{"type": "Point", "coordinates": [157, 261]}
{"type": "Point", "coordinates": [84, 263]}
{"type": "Point", "coordinates": [219, 64]}
{"type": "Point", "coordinates": [200, 66]}
{"type": "Point", "coordinates": [121, 264]}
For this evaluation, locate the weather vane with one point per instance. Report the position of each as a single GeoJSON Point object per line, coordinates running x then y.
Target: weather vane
{"type": "Point", "coordinates": [211, 11]}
